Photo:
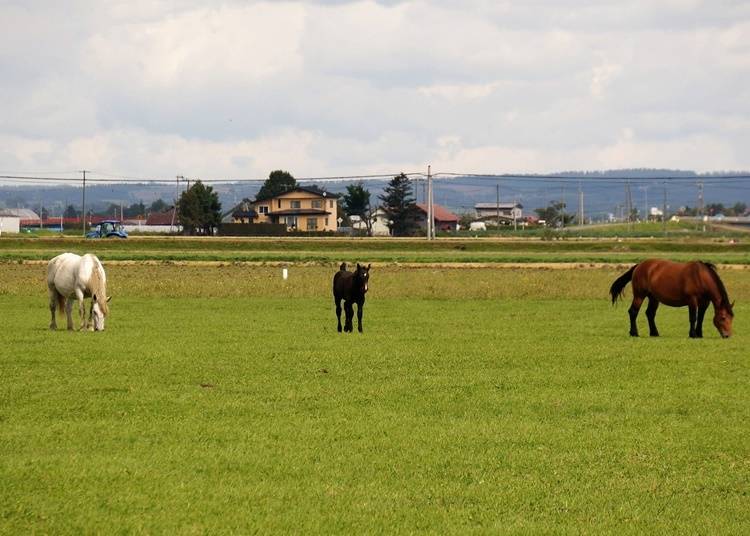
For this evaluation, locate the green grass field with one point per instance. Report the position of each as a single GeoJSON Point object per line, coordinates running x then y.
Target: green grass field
{"type": "Point", "coordinates": [221, 399]}
{"type": "Point", "coordinates": [726, 250]}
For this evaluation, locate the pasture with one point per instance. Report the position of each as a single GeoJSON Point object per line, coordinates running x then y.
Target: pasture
{"type": "Point", "coordinates": [722, 250]}
{"type": "Point", "coordinates": [486, 400]}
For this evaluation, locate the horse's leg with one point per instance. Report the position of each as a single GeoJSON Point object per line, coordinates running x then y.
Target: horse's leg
{"type": "Point", "coordinates": [81, 309]}
{"type": "Point", "coordinates": [692, 314]}
{"type": "Point", "coordinates": [52, 307]}
{"type": "Point", "coordinates": [633, 312]}
{"type": "Point", "coordinates": [360, 305]}
{"type": "Point", "coordinates": [349, 312]}
{"type": "Point", "coordinates": [69, 313]}
{"type": "Point", "coordinates": [337, 301]}
{"type": "Point", "coordinates": [699, 321]}
{"type": "Point", "coordinates": [653, 304]}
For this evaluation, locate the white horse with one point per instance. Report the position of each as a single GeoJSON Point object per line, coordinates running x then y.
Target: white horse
{"type": "Point", "coordinates": [72, 277]}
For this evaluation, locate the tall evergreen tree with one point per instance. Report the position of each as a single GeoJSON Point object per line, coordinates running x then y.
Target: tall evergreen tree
{"type": "Point", "coordinates": [199, 209]}
{"type": "Point", "coordinates": [278, 182]}
{"type": "Point", "coordinates": [398, 203]}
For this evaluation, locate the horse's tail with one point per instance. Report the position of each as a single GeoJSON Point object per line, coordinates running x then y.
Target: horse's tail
{"type": "Point", "coordinates": [342, 268]}
{"type": "Point", "coordinates": [60, 302]}
{"type": "Point", "coordinates": [619, 285]}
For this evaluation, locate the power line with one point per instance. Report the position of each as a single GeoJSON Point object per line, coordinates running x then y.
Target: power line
{"type": "Point", "coordinates": [145, 180]}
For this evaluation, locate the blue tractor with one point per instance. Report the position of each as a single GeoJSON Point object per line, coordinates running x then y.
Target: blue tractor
{"type": "Point", "coordinates": [108, 229]}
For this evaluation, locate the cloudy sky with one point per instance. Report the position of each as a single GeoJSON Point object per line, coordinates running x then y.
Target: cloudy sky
{"type": "Point", "coordinates": [236, 89]}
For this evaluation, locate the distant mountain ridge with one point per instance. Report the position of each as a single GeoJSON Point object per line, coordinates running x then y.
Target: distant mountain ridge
{"type": "Point", "coordinates": [603, 191]}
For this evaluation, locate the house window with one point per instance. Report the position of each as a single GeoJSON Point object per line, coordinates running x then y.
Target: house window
{"type": "Point", "coordinates": [317, 203]}
{"type": "Point", "coordinates": [279, 203]}
{"type": "Point", "coordinates": [330, 203]}
{"type": "Point", "coordinates": [312, 224]}
{"type": "Point", "coordinates": [294, 204]}
{"type": "Point", "coordinates": [326, 222]}
{"type": "Point", "coordinates": [291, 221]}
{"type": "Point", "coordinates": [263, 209]}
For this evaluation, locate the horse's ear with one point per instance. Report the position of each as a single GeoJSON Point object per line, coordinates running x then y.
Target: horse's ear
{"type": "Point", "coordinates": [368, 266]}
{"type": "Point", "coordinates": [358, 267]}
{"type": "Point", "coordinates": [109, 298]}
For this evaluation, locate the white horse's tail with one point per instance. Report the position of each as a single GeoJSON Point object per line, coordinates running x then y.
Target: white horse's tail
{"type": "Point", "coordinates": [60, 301]}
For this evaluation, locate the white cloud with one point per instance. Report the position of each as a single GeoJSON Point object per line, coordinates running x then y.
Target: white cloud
{"type": "Point", "coordinates": [601, 77]}
{"type": "Point", "coordinates": [203, 48]}
{"type": "Point", "coordinates": [239, 88]}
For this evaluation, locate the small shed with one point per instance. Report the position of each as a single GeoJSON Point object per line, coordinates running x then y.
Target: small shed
{"type": "Point", "coordinates": [10, 224]}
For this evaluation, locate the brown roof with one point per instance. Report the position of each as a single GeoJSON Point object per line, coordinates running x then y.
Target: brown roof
{"type": "Point", "coordinates": [299, 211]}
{"type": "Point", "coordinates": [309, 189]}
{"type": "Point", "coordinates": [441, 213]}
{"type": "Point", "coordinates": [161, 218]}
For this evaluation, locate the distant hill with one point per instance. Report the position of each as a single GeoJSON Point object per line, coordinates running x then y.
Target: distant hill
{"type": "Point", "coordinates": [603, 191]}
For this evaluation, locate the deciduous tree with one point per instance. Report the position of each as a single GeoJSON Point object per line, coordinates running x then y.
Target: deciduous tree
{"type": "Point", "coordinates": [199, 209]}
{"type": "Point", "coordinates": [278, 182]}
{"type": "Point", "coordinates": [357, 203]}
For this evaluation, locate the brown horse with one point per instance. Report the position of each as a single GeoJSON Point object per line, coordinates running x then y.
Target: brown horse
{"type": "Point", "coordinates": [695, 284]}
{"type": "Point", "coordinates": [350, 287]}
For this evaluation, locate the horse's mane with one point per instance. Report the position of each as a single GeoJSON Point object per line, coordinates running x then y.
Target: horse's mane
{"type": "Point", "coordinates": [98, 286]}
{"type": "Point", "coordinates": [720, 285]}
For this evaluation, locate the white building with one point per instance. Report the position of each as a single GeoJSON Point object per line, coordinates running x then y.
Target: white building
{"type": "Point", "coordinates": [379, 223]}
{"type": "Point", "coordinates": [507, 211]}
{"type": "Point", "coordinates": [10, 224]}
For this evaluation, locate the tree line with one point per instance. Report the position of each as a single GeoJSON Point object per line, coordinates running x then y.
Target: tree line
{"type": "Point", "coordinates": [199, 209]}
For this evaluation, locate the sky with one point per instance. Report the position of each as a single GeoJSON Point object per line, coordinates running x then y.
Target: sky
{"type": "Point", "coordinates": [237, 89]}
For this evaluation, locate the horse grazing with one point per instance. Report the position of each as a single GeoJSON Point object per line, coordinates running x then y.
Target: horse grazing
{"type": "Point", "coordinates": [350, 287]}
{"type": "Point", "coordinates": [695, 284]}
{"type": "Point", "coordinates": [72, 277]}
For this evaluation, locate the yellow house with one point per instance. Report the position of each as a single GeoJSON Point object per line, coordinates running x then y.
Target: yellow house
{"type": "Point", "coordinates": [301, 209]}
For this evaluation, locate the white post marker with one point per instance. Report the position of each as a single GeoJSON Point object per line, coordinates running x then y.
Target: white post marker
{"type": "Point", "coordinates": [284, 273]}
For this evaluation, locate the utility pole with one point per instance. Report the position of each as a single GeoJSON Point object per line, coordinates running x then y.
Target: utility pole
{"type": "Point", "coordinates": [645, 200]}
{"type": "Point", "coordinates": [430, 208]}
{"type": "Point", "coordinates": [83, 208]}
{"type": "Point", "coordinates": [177, 196]}
{"type": "Point", "coordinates": [700, 204]}
{"type": "Point", "coordinates": [580, 204]}
{"type": "Point", "coordinates": [562, 208]}
{"type": "Point", "coordinates": [432, 202]}
{"type": "Point", "coordinates": [664, 210]}
{"type": "Point", "coordinates": [497, 207]}
{"type": "Point", "coordinates": [629, 205]}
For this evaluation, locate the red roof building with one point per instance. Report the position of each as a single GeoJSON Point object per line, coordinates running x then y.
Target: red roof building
{"type": "Point", "coordinates": [444, 219]}
{"type": "Point", "coordinates": [162, 218]}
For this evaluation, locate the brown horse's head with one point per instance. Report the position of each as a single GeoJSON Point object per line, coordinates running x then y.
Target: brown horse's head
{"type": "Point", "coordinates": [723, 316]}
{"type": "Point", "coordinates": [362, 277]}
